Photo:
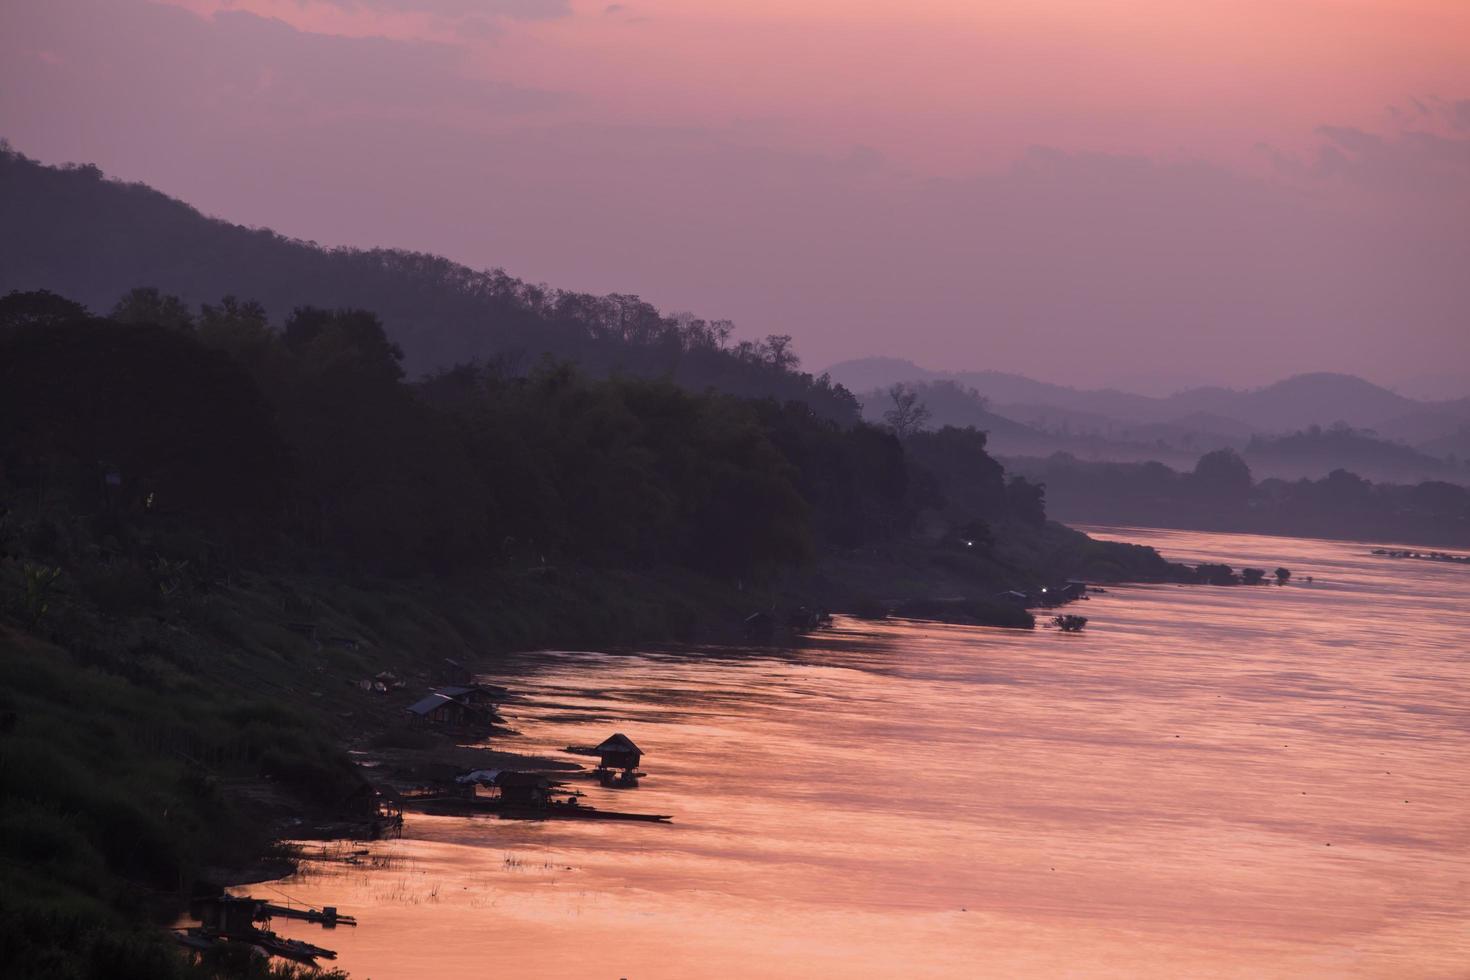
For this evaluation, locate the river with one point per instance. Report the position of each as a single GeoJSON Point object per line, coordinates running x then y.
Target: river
{"type": "Point", "coordinates": [1206, 782]}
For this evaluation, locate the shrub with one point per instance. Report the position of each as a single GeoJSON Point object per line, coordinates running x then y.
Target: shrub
{"type": "Point", "coordinates": [1215, 574]}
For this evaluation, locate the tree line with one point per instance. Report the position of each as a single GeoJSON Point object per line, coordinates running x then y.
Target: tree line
{"type": "Point", "coordinates": [1220, 493]}
{"type": "Point", "coordinates": [309, 441]}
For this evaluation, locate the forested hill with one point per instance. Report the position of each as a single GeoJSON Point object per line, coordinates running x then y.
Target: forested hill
{"type": "Point", "coordinates": [75, 232]}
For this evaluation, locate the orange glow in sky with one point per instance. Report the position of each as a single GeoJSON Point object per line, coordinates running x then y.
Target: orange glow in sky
{"type": "Point", "coordinates": [943, 85]}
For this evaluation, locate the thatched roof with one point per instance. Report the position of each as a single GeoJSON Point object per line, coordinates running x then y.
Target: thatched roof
{"type": "Point", "coordinates": [618, 743]}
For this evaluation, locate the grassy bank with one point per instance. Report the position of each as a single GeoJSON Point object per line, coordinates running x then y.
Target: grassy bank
{"type": "Point", "coordinates": [161, 716]}
{"type": "Point", "coordinates": [153, 744]}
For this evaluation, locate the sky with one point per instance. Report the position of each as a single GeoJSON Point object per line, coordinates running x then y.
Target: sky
{"type": "Point", "coordinates": [1149, 193]}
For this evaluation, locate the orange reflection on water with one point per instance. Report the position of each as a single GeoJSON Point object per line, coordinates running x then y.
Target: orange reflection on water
{"type": "Point", "coordinates": [1263, 782]}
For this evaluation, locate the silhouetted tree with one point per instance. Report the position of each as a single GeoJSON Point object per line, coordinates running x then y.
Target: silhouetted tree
{"type": "Point", "coordinates": [908, 415]}
{"type": "Point", "coordinates": [1222, 475]}
{"type": "Point", "coordinates": [147, 305]}
{"type": "Point", "coordinates": [40, 306]}
{"type": "Point", "coordinates": [1026, 501]}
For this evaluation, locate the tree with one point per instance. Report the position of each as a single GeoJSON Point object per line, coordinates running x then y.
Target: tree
{"type": "Point", "coordinates": [908, 415]}
{"type": "Point", "coordinates": [1283, 575]}
{"type": "Point", "coordinates": [1222, 475]}
{"type": "Point", "coordinates": [39, 306]}
{"type": "Point", "coordinates": [778, 349]}
{"type": "Point", "coordinates": [1026, 501]}
{"type": "Point", "coordinates": [147, 305]}
{"type": "Point", "coordinates": [969, 481]}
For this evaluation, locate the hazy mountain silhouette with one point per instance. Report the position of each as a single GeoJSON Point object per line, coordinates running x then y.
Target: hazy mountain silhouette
{"type": "Point", "coordinates": [71, 230]}
{"type": "Point", "coordinates": [1294, 403]}
{"type": "Point", "coordinates": [1299, 401]}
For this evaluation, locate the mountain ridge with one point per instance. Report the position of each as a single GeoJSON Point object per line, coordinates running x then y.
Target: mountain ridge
{"type": "Point", "coordinates": [79, 234]}
{"type": "Point", "coordinates": [1296, 402]}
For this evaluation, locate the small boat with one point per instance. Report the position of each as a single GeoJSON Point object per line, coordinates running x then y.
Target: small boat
{"type": "Point", "coordinates": [199, 940]}
{"type": "Point", "coordinates": [470, 805]}
{"type": "Point", "coordinates": [577, 811]}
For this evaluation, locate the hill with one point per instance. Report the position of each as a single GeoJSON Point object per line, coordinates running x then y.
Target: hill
{"type": "Point", "coordinates": [74, 232]}
{"type": "Point", "coordinates": [1292, 403]}
{"type": "Point", "coordinates": [1314, 451]}
{"type": "Point", "coordinates": [1112, 424]}
{"type": "Point", "coordinates": [1299, 401]}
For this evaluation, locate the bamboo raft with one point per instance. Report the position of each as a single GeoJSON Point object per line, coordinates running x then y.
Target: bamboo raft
{"type": "Point", "coordinates": [200, 940]}
{"type": "Point", "coordinates": [232, 920]}
{"type": "Point", "coordinates": [461, 805]}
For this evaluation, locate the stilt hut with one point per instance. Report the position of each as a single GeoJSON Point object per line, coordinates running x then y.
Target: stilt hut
{"type": "Point", "coordinates": [476, 696]}
{"type": "Point", "coordinates": [229, 916]}
{"type": "Point", "coordinates": [523, 788]}
{"type": "Point", "coordinates": [618, 752]}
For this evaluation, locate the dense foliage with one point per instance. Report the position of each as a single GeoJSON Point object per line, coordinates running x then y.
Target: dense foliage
{"type": "Point", "coordinates": [309, 440]}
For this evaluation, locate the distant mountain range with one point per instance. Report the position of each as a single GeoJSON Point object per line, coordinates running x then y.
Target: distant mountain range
{"type": "Point", "coordinates": [1030, 417]}
{"type": "Point", "coordinates": [1294, 403]}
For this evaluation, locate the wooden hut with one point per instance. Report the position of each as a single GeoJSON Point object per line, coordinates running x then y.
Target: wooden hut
{"type": "Point", "coordinates": [437, 709]}
{"type": "Point", "coordinates": [523, 788]}
{"type": "Point", "coordinates": [618, 752]}
{"type": "Point", "coordinates": [229, 916]}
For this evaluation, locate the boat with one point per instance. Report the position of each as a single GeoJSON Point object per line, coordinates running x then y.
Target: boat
{"type": "Point", "coordinates": [470, 805]}
{"type": "Point", "coordinates": [199, 939]}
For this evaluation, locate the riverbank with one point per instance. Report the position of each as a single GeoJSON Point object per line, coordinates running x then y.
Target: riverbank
{"type": "Point", "coordinates": [910, 799]}
{"type": "Point", "coordinates": [159, 741]}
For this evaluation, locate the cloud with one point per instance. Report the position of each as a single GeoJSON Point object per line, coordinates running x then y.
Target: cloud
{"type": "Point", "coordinates": [477, 29]}
{"type": "Point", "coordinates": [512, 9]}
{"type": "Point", "coordinates": [126, 58]}
{"type": "Point", "coordinates": [1460, 114]}
{"type": "Point", "coordinates": [1407, 163]}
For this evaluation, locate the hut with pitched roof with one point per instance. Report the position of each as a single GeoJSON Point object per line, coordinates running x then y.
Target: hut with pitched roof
{"type": "Point", "coordinates": [618, 752]}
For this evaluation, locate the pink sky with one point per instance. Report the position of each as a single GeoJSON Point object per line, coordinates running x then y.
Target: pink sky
{"type": "Point", "coordinates": [1158, 191]}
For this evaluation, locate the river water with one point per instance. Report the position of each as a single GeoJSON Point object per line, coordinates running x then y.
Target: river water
{"type": "Point", "coordinates": [1206, 782]}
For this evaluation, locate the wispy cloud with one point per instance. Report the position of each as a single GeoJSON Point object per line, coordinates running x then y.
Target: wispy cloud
{"type": "Point", "coordinates": [514, 9]}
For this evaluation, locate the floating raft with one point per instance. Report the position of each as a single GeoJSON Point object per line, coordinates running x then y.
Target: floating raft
{"type": "Point", "coordinates": [563, 812]}
{"type": "Point", "coordinates": [328, 916]}
{"type": "Point", "coordinates": [199, 940]}
{"type": "Point", "coordinates": [454, 805]}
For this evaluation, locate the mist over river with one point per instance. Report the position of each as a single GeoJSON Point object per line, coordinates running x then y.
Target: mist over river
{"type": "Point", "coordinates": [1207, 782]}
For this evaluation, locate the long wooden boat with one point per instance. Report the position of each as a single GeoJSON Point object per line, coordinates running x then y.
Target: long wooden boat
{"type": "Point", "coordinates": [199, 940]}
{"type": "Point", "coordinates": [454, 805]}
